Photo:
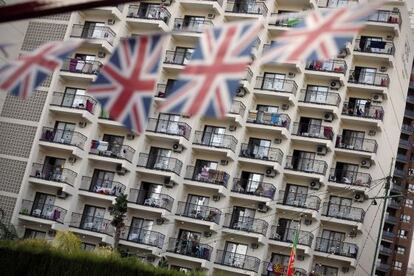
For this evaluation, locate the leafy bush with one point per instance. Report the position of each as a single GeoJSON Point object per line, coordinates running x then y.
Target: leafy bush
{"type": "Point", "coordinates": [67, 242]}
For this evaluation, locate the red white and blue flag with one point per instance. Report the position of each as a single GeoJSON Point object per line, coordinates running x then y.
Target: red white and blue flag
{"type": "Point", "coordinates": [125, 85]}
{"type": "Point", "coordinates": [211, 78]}
{"type": "Point", "coordinates": [22, 76]}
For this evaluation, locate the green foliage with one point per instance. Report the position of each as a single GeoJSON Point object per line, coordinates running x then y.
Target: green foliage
{"type": "Point", "coordinates": [118, 210]}
{"type": "Point", "coordinates": [67, 242]}
{"type": "Point", "coordinates": [106, 251]}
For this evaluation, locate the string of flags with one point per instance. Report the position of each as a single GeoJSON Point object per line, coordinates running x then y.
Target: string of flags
{"type": "Point", "coordinates": [125, 86]}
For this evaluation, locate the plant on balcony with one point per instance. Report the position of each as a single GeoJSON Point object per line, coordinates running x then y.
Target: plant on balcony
{"type": "Point", "coordinates": [118, 211]}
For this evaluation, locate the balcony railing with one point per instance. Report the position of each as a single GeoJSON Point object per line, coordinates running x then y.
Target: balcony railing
{"type": "Point", "coordinates": [282, 234]}
{"type": "Point", "coordinates": [336, 4]}
{"type": "Point", "coordinates": [91, 223]}
{"type": "Point", "coordinates": [175, 128]}
{"type": "Point", "coordinates": [330, 66]}
{"type": "Point", "coordinates": [151, 12]}
{"type": "Point", "coordinates": [65, 137]}
{"type": "Point", "coordinates": [312, 131]}
{"type": "Point", "coordinates": [269, 270]}
{"type": "Point", "coordinates": [300, 200]}
{"type": "Point", "coordinates": [199, 212]}
{"type": "Point", "coordinates": [391, 219]}
{"type": "Point", "coordinates": [261, 153]}
{"type": "Point", "coordinates": [307, 165]}
{"type": "Point", "coordinates": [43, 211]}
{"type": "Point", "coordinates": [100, 186]}
{"type": "Point", "coordinates": [343, 212]}
{"type": "Point", "coordinates": [81, 102]}
{"type": "Point", "coordinates": [79, 66]}
{"type": "Point", "coordinates": [317, 97]}
{"type": "Point", "coordinates": [161, 163]}
{"type": "Point", "coordinates": [162, 91]}
{"type": "Point", "coordinates": [147, 198]}
{"type": "Point", "coordinates": [237, 108]}
{"type": "Point", "coordinates": [385, 250]}
{"type": "Point", "coordinates": [96, 32]}
{"type": "Point", "coordinates": [268, 118]}
{"type": "Point", "coordinates": [369, 78]}
{"type": "Point", "coordinates": [208, 176]}
{"type": "Point", "coordinates": [256, 188]}
{"type": "Point", "coordinates": [357, 144]}
{"type": "Point", "coordinates": [337, 247]}
{"type": "Point", "coordinates": [192, 25]}
{"type": "Point", "coordinates": [374, 47]}
{"type": "Point", "coordinates": [53, 173]}
{"type": "Point", "coordinates": [190, 248]}
{"type": "Point", "coordinates": [409, 113]}
{"type": "Point", "coordinates": [236, 260]}
{"type": "Point", "coordinates": [364, 111]}
{"type": "Point", "coordinates": [402, 157]}
{"type": "Point", "coordinates": [292, 21]}
{"type": "Point", "coordinates": [407, 128]}
{"type": "Point", "coordinates": [350, 177]}
{"type": "Point", "coordinates": [276, 85]}
{"type": "Point", "coordinates": [214, 140]}
{"type": "Point", "coordinates": [251, 7]}
{"type": "Point", "coordinates": [245, 224]}
{"type": "Point", "coordinates": [388, 235]}
{"type": "Point", "coordinates": [383, 267]}
{"type": "Point", "coordinates": [385, 16]}
{"type": "Point", "coordinates": [142, 236]}
{"type": "Point", "coordinates": [177, 57]}
{"type": "Point", "coordinates": [113, 151]}
{"type": "Point", "coordinates": [394, 204]}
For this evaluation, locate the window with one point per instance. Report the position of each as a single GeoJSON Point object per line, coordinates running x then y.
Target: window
{"type": "Point", "coordinates": [400, 250]}
{"type": "Point", "coordinates": [140, 230]}
{"type": "Point", "coordinates": [242, 218]}
{"type": "Point", "coordinates": [234, 254]}
{"type": "Point", "coordinates": [43, 207]}
{"type": "Point", "coordinates": [325, 270]}
{"type": "Point", "coordinates": [159, 158]}
{"type": "Point", "coordinates": [409, 203]}
{"type": "Point", "coordinates": [257, 149]}
{"type": "Point", "coordinates": [397, 265]}
{"type": "Point", "coordinates": [205, 171]}
{"type": "Point", "coordinates": [316, 94]}
{"type": "Point", "coordinates": [93, 218]}
{"type": "Point", "coordinates": [87, 246]}
{"type": "Point", "coordinates": [272, 81]}
{"type": "Point", "coordinates": [345, 173]}
{"type": "Point", "coordinates": [34, 234]}
{"type": "Point", "coordinates": [411, 187]}
{"type": "Point", "coordinates": [405, 218]}
{"type": "Point", "coordinates": [295, 195]}
{"type": "Point", "coordinates": [74, 97]}
{"type": "Point", "coordinates": [102, 182]}
{"type": "Point", "coordinates": [213, 136]}
{"type": "Point", "coordinates": [403, 234]}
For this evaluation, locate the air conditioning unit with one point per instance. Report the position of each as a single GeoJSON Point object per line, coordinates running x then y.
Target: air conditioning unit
{"type": "Point", "coordinates": [224, 162]}
{"type": "Point", "coordinates": [307, 221]}
{"type": "Point", "coordinates": [168, 183]}
{"type": "Point", "coordinates": [285, 106]}
{"type": "Point", "coordinates": [383, 69]}
{"type": "Point", "coordinates": [160, 221]}
{"type": "Point", "coordinates": [277, 141]}
{"type": "Point", "coordinates": [83, 124]}
{"type": "Point", "coordinates": [300, 257]}
{"type": "Point", "coordinates": [111, 21]}
{"type": "Point", "coordinates": [208, 234]}
{"type": "Point", "coordinates": [353, 233]}
{"type": "Point", "coordinates": [61, 194]}
{"type": "Point", "coordinates": [359, 197]}
{"type": "Point", "coordinates": [255, 245]}
{"type": "Point", "coordinates": [120, 170]}
{"type": "Point", "coordinates": [372, 132]}
{"type": "Point", "coordinates": [315, 185]}
{"type": "Point", "coordinates": [262, 207]}
{"type": "Point", "coordinates": [177, 147]}
{"type": "Point", "coordinates": [216, 197]}
{"type": "Point", "coordinates": [335, 85]}
{"type": "Point", "coordinates": [101, 54]}
{"type": "Point", "coordinates": [211, 16]}
{"type": "Point", "coordinates": [321, 150]}
{"type": "Point", "coordinates": [332, 178]}
{"type": "Point", "coordinates": [232, 128]}
{"type": "Point", "coordinates": [365, 163]}
{"type": "Point", "coordinates": [241, 92]}
{"type": "Point", "coordinates": [328, 117]}
{"type": "Point", "coordinates": [378, 98]}
{"type": "Point", "coordinates": [291, 75]}
{"type": "Point", "coordinates": [130, 136]}
{"type": "Point", "coordinates": [72, 159]}
{"type": "Point", "coordinates": [270, 172]}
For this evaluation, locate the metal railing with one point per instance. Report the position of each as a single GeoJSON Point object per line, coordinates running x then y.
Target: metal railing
{"type": "Point", "coordinates": [388, 235]}
{"type": "Point", "coordinates": [151, 12]}
{"type": "Point", "coordinates": [336, 4]}
{"type": "Point", "coordinates": [290, 22]}
{"type": "Point", "coordinates": [276, 85]}
{"type": "Point", "coordinates": [93, 32]}
{"type": "Point", "coordinates": [238, 108]}
{"type": "Point", "coordinates": [248, 7]}
{"type": "Point", "coordinates": [148, 198]}
{"type": "Point", "coordinates": [268, 118]}
{"type": "Point", "coordinates": [337, 247]}
{"type": "Point", "coordinates": [330, 66]}
{"type": "Point", "coordinates": [176, 128]}
{"type": "Point", "coordinates": [192, 25]}
{"type": "Point", "coordinates": [249, 75]}
{"type": "Point", "coordinates": [74, 65]}
{"type": "Point", "coordinates": [142, 236]}
{"type": "Point", "coordinates": [177, 57]}
{"type": "Point", "coordinates": [269, 269]}
{"type": "Point", "coordinates": [369, 78]}
{"type": "Point", "coordinates": [162, 91]}
{"type": "Point", "coordinates": [364, 111]}
{"type": "Point", "coordinates": [409, 113]}
{"type": "Point", "coordinates": [74, 101]}
{"type": "Point", "coordinates": [242, 261]}
{"type": "Point", "coordinates": [65, 137]}
{"type": "Point", "coordinates": [53, 173]}
{"type": "Point", "coordinates": [407, 128]}
{"type": "Point", "coordinates": [118, 151]}
{"type": "Point", "coordinates": [402, 157]}
{"type": "Point", "coordinates": [386, 16]}
{"type": "Point", "coordinates": [283, 234]}
{"type": "Point", "coordinates": [190, 248]}
{"type": "Point", "coordinates": [200, 212]}
{"type": "Point", "coordinates": [332, 210]}
{"type": "Point", "coordinates": [261, 153]}
{"type": "Point", "coordinates": [383, 267]}
{"type": "Point", "coordinates": [214, 140]}
{"type": "Point", "coordinates": [307, 165]}
{"type": "Point", "coordinates": [43, 211]}
{"type": "Point", "coordinates": [245, 224]}
{"type": "Point", "coordinates": [312, 130]}
{"type": "Point", "coordinates": [317, 97]}
{"type": "Point", "coordinates": [394, 204]}
{"type": "Point", "coordinates": [301, 200]}
{"type": "Point", "coordinates": [374, 47]}
{"type": "Point", "coordinates": [100, 186]}
{"type": "Point", "coordinates": [358, 144]}
{"type": "Point", "coordinates": [350, 177]}
{"type": "Point", "coordinates": [385, 250]}
{"type": "Point", "coordinates": [391, 219]}
{"type": "Point", "coordinates": [250, 187]}
{"type": "Point", "coordinates": [208, 176]}
{"type": "Point", "coordinates": [91, 223]}
{"type": "Point", "coordinates": [161, 163]}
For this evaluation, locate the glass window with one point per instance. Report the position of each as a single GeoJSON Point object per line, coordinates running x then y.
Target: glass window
{"type": "Point", "coordinates": [400, 250]}
{"type": "Point", "coordinates": [34, 234]}
{"type": "Point", "coordinates": [397, 265]}
{"type": "Point", "coordinates": [409, 203]}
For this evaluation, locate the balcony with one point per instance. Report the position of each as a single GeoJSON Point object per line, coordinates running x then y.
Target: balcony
{"type": "Point", "coordinates": [375, 47]}
{"type": "Point", "coordinates": [103, 148]}
{"type": "Point", "coordinates": [387, 235]}
{"type": "Point", "coordinates": [299, 200]}
{"type": "Point", "coordinates": [306, 165]}
{"type": "Point", "coordinates": [292, 21]}
{"type": "Point", "coordinates": [102, 33]}
{"type": "Point", "coordinates": [386, 16]}
{"type": "Point", "coordinates": [150, 199]}
{"type": "Point", "coordinates": [160, 163]}
{"type": "Point", "coordinates": [55, 174]}
{"type": "Point", "coordinates": [343, 212]}
{"type": "Point", "coordinates": [268, 86]}
{"type": "Point", "coordinates": [356, 144]}
{"type": "Point", "coordinates": [253, 188]}
{"type": "Point", "coordinates": [374, 112]}
{"type": "Point", "coordinates": [80, 69]}
{"type": "Point", "coordinates": [385, 250]}
{"type": "Point", "coordinates": [142, 236]}
{"type": "Point", "coordinates": [269, 122]}
{"type": "Point", "coordinates": [43, 211]}
{"type": "Point", "coordinates": [337, 247]}
{"type": "Point", "coordinates": [251, 8]}
{"type": "Point", "coordinates": [237, 109]}
{"type": "Point", "coordinates": [198, 212]}
{"type": "Point", "coordinates": [405, 143]}
{"type": "Point", "coordinates": [174, 128]}
{"type": "Point", "coordinates": [63, 137]}
{"type": "Point", "coordinates": [407, 129]}
{"type": "Point", "coordinates": [212, 140]}
{"type": "Point", "coordinates": [319, 98]}
{"type": "Point", "coordinates": [192, 26]}
{"type": "Point", "coordinates": [189, 248]}
{"type": "Point", "coordinates": [368, 78]}
{"type": "Point", "coordinates": [391, 219]}
{"type": "Point", "coordinates": [210, 176]}
{"type": "Point", "coordinates": [245, 224]}
{"type": "Point", "coordinates": [337, 66]}
{"type": "Point", "coordinates": [152, 17]}
{"type": "Point", "coordinates": [268, 270]}
{"type": "Point", "coordinates": [236, 260]}
{"type": "Point", "coordinates": [177, 58]}
{"type": "Point", "coordinates": [383, 267]}
{"type": "Point", "coordinates": [352, 178]}
{"type": "Point", "coordinates": [203, 5]}
{"type": "Point", "coordinates": [336, 4]}
{"type": "Point", "coordinates": [312, 131]}
{"type": "Point", "coordinates": [394, 204]}
{"type": "Point", "coordinates": [402, 158]}
{"type": "Point", "coordinates": [397, 188]}
{"type": "Point", "coordinates": [102, 187]}
{"type": "Point", "coordinates": [409, 113]}
{"type": "Point", "coordinates": [282, 234]}
{"type": "Point", "coordinates": [91, 223]}
{"type": "Point", "coordinates": [76, 104]}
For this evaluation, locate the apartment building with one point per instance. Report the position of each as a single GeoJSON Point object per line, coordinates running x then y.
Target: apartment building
{"type": "Point", "coordinates": [303, 147]}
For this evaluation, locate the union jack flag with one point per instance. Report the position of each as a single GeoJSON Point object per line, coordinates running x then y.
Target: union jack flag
{"type": "Point", "coordinates": [126, 83]}
{"type": "Point", "coordinates": [210, 80]}
{"type": "Point", "coordinates": [320, 35]}
{"type": "Point", "coordinates": [22, 76]}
